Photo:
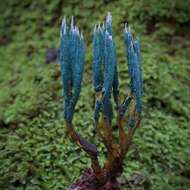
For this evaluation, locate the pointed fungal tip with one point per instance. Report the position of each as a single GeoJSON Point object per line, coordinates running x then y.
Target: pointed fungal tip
{"type": "Point", "coordinates": [63, 21]}
{"type": "Point", "coordinates": [72, 23]}
{"type": "Point", "coordinates": [76, 30]}
{"type": "Point", "coordinates": [63, 27]}
{"type": "Point", "coordinates": [81, 35]}
{"type": "Point", "coordinates": [95, 28]}
{"type": "Point", "coordinates": [99, 26]}
{"type": "Point", "coordinates": [108, 18]}
{"type": "Point", "coordinates": [126, 27]}
{"type": "Point", "coordinates": [72, 19]}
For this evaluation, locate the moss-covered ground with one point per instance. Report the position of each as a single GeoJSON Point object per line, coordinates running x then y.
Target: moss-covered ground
{"type": "Point", "coordinates": [34, 151]}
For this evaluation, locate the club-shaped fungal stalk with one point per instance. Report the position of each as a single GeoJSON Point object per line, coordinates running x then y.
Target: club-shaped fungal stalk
{"type": "Point", "coordinates": [72, 55]}
{"type": "Point", "coordinates": [106, 82]}
{"type": "Point", "coordinates": [106, 87]}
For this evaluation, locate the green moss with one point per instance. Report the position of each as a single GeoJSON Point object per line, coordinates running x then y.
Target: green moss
{"type": "Point", "coordinates": [33, 147]}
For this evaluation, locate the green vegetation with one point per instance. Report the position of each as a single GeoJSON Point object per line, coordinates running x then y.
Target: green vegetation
{"type": "Point", "coordinates": [34, 151]}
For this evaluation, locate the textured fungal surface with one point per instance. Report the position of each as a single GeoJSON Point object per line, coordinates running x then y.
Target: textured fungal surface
{"type": "Point", "coordinates": [106, 87]}
{"type": "Point", "coordinates": [35, 150]}
{"type": "Point", "coordinates": [72, 51]}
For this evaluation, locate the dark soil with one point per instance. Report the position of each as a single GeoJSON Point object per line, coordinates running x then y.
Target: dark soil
{"type": "Point", "coordinates": [88, 181]}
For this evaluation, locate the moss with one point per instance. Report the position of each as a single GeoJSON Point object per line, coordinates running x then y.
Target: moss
{"type": "Point", "coordinates": [33, 149]}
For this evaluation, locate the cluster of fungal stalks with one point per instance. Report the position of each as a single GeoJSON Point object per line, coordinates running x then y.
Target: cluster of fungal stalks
{"type": "Point", "coordinates": [106, 86]}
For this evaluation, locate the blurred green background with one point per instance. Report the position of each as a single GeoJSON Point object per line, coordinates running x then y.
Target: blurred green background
{"type": "Point", "coordinates": [34, 151]}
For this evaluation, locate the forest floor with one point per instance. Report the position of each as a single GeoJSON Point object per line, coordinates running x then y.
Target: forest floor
{"type": "Point", "coordinates": [34, 151]}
